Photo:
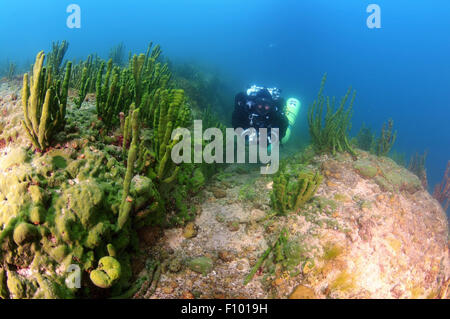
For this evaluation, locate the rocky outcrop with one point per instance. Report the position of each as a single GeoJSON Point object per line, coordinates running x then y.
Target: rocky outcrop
{"type": "Point", "coordinates": [371, 231]}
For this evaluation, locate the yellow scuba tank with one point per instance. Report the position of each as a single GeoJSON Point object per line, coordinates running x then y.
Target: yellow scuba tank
{"type": "Point", "coordinates": [291, 110]}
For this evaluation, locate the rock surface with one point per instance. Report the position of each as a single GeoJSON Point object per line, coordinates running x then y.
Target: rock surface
{"type": "Point", "coordinates": [371, 231]}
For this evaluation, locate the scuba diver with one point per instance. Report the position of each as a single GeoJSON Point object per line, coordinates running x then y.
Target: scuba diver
{"type": "Point", "coordinates": [262, 107]}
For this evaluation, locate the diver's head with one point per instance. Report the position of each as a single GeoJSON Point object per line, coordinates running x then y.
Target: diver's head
{"type": "Point", "coordinates": [264, 103]}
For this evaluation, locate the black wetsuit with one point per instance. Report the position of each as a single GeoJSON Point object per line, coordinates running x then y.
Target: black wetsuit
{"type": "Point", "coordinates": [245, 115]}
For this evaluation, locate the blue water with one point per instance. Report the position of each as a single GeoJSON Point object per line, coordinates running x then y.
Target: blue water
{"type": "Point", "coordinates": [400, 71]}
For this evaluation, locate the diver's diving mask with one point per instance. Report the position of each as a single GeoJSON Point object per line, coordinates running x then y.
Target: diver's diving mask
{"type": "Point", "coordinates": [263, 106]}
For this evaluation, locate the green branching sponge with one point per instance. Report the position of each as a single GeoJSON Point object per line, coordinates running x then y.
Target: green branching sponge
{"type": "Point", "coordinates": [170, 113]}
{"type": "Point", "coordinates": [329, 127]}
{"type": "Point", "coordinates": [387, 139]}
{"type": "Point", "coordinates": [107, 92]}
{"type": "Point", "coordinates": [290, 194]}
{"type": "Point", "coordinates": [126, 204]}
{"type": "Point", "coordinates": [92, 64]}
{"type": "Point", "coordinates": [44, 103]}
{"type": "Point", "coordinates": [117, 54]}
{"type": "Point", "coordinates": [137, 83]}
{"type": "Point", "coordinates": [365, 138]}
{"type": "Point", "coordinates": [84, 86]}
{"type": "Point", "coordinates": [113, 93]}
{"type": "Point", "coordinates": [56, 57]}
{"type": "Point", "coordinates": [137, 65]}
{"type": "Point", "coordinates": [148, 77]}
{"type": "Point", "coordinates": [11, 70]}
{"type": "Point", "coordinates": [99, 88]}
{"type": "Point", "coordinates": [275, 249]}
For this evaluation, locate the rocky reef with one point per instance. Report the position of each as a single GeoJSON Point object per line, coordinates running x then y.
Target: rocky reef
{"type": "Point", "coordinates": [58, 208]}
{"type": "Point", "coordinates": [73, 201]}
{"type": "Point", "coordinates": [370, 231]}
{"type": "Point", "coordinates": [91, 206]}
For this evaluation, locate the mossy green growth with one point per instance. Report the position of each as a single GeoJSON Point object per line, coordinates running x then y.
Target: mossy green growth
{"type": "Point", "coordinates": [15, 286]}
{"type": "Point", "coordinates": [404, 180]}
{"type": "Point", "coordinates": [3, 287]}
{"type": "Point", "coordinates": [84, 200]}
{"type": "Point", "coordinates": [365, 168]}
{"type": "Point", "coordinates": [411, 183]}
{"type": "Point", "coordinates": [16, 156]}
{"type": "Point", "coordinates": [59, 252]}
{"type": "Point", "coordinates": [325, 204]}
{"type": "Point", "coordinates": [107, 272]}
{"type": "Point", "coordinates": [247, 192]}
{"type": "Point", "coordinates": [307, 155]}
{"type": "Point", "coordinates": [37, 214]}
{"type": "Point", "coordinates": [52, 289]}
{"type": "Point", "coordinates": [294, 252]}
{"type": "Point", "coordinates": [59, 162]}
{"type": "Point", "coordinates": [341, 198]}
{"type": "Point", "coordinates": [75, 222]}
{"type": "Point", "coordinates": [38, 194]}
{"type": "Point", "coordinates": [384, 184]}
{"type": "Point", "coordinates": [365, 204]}
{"type": "Point", "coordinates": [197, 180]}
{"type": "Point", "coordinates": [332, 251]}
{"type": "Point", "coordinates": [203, 265]}
{"type": "Point", "coordinates": [344, 282]}
{"type": "Point", "coordinates": [24, 233]}
{"type": "Point", "coordinates": [394, 178]}
{"type": "Point", "coordinates": [95, 235]}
